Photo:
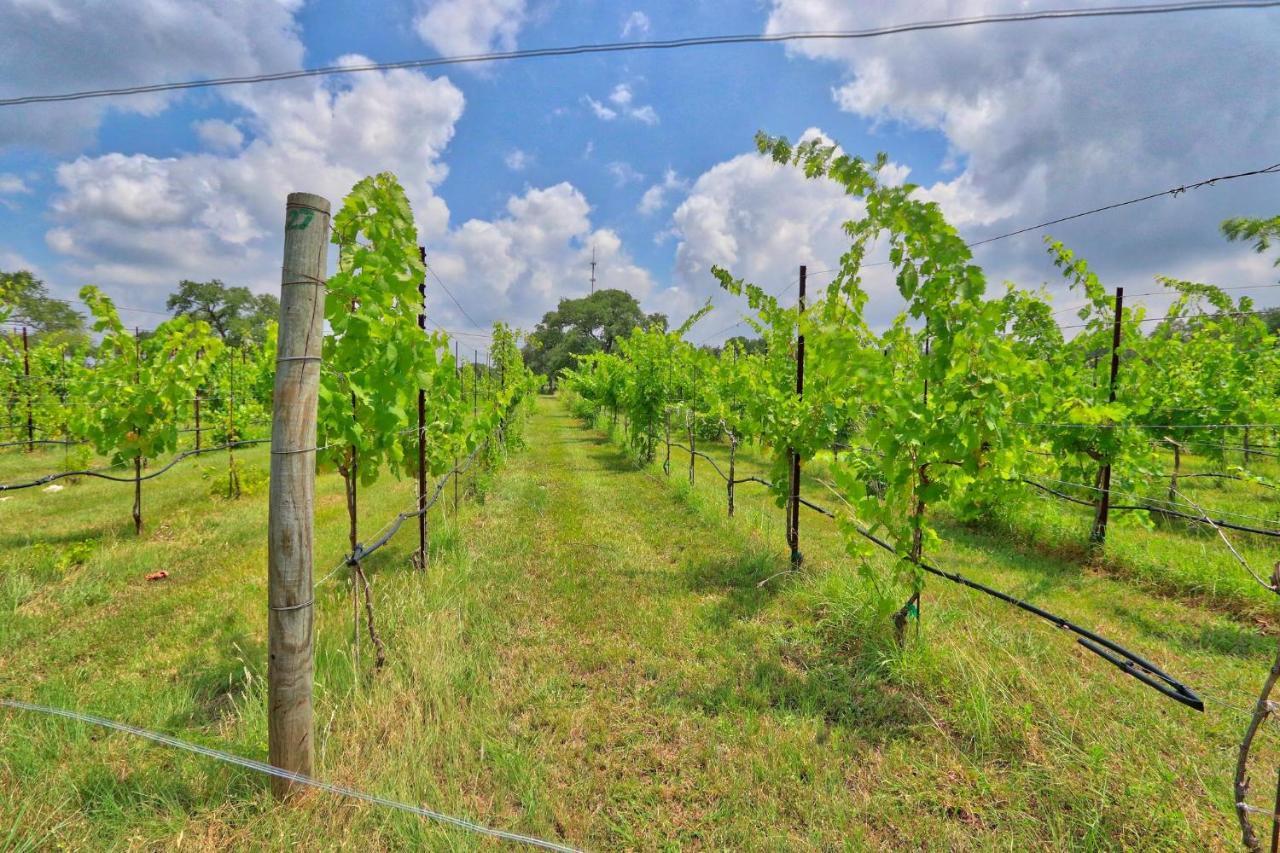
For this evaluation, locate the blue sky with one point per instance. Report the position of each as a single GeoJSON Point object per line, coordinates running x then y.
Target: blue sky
{"type": "Point", "coordinates": [517, 170]}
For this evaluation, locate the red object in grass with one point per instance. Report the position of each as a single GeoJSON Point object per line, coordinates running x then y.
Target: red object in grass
{"type": "Point", "coordinates": [158, 576]}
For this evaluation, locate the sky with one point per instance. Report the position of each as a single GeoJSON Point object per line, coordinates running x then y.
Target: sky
{"type": "Point", "coordinates": [519, 171]}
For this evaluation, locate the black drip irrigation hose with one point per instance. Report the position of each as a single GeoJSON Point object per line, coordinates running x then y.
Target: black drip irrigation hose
{"type": "Point", "coordinates": [13, 487]}
{"type": "Point", "coordinates": [1126, 661]}
{"type": "Point", "coordinates": [1115, 654]}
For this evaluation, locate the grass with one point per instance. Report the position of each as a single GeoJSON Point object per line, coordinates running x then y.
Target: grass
{"type": "Point", "coordinates": [592, 658]}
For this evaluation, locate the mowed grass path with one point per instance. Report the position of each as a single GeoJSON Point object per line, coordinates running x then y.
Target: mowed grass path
{"type": "Point", "coordinates": [593, 659]}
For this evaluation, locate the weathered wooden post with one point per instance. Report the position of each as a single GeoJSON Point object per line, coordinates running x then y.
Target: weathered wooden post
{"type": "Point", "coordinates": [1098, 536]}
{"type": "Point", "coordinates": [290, 596]}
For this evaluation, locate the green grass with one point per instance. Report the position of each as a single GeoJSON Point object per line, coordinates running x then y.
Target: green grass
{"type": "Point", "coordinates": [592, 658]}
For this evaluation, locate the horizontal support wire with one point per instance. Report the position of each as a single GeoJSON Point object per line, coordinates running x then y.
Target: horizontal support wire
{"type": "Point", "coordinates": [363, 551]}
{"type": "Point", "coordinates": [270, 770]}
{"type": "Point", "coordinates": [392, 527]}
{"type": "Point", "coordinates": [1126, 661]}
{"type": "Point", "coordinates": [42, 441]}
{"type": "Point", "coordinates": [13, 487]}
{"type": "Point", "coordinates": [1073, 425]}
{"type": "Point", "coordinates": [723, 476]}
{"type": "Point", "coordinates": [1153, 506]}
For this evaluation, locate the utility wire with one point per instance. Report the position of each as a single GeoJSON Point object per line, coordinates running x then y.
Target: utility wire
{"type": "Point", "coordinates": [1175, 191]}
{"type": "Point", "coordinates": [637, 46]}
{"type": "Point", "coordinates": [454, 299]}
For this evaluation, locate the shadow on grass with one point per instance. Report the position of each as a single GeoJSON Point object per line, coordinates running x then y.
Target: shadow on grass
{"type": "Point", "coordinates": [1223, 638]}
{"type": "Point", "coordinates": [218, 674]}
{"type": "Point", "coordinates": [774, 669]}
{"type": "Point", "coordinates": [737, 578]}
{"type": "Point", "coordinates": [1047, 569]}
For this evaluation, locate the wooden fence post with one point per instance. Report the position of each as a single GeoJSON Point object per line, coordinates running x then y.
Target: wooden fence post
{"type": "Point", "coordinates": [793, 525]}
{"type": "Point", "coordinates": [291, 514]}
{"type": "Point", "coordinates": [1098, 536]}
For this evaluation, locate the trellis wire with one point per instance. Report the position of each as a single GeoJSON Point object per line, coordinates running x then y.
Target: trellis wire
{"type": "Point", "coordinates": [263, 767]}
{"type": "Point", "coordinates": [49, 478]}
{"type": "Point", "coordinates": [1126, 661]}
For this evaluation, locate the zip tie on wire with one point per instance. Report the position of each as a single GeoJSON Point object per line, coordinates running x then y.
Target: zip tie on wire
{"type": "Point", "coordinates": [270, 770]}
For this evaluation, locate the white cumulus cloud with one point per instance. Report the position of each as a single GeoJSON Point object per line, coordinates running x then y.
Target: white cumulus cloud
{"type": "Point", "coordinates": [62, 46]}
{"type": "Point", "coordinates": [459, 27]}
{"type": "Point", "coordinates": [637, 24]}
{"type": "Point", "coordinates": [1044, 121]}
{"type": "Point", "coordinates": [761, 221]}
{"type": "Point", "coordinates": [655, 197]}
{"type": "Point", "coordinates": [518, 265]}
{"type": "Point", "coordinates": [517, 160]}
{"type": "Point", "coordinates": [11, 184]}
{"type": "Point", "coordinates": [141, 223]}
{"type": "Point", "coordinates": [624, 173]}
{"type": "Point", "coordinates": [622, 99]}
{"type": "Point", "coordinates": [219, 135]}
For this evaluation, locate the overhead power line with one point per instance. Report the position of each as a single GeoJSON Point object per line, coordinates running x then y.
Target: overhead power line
{"type": "Point", "coordinates": [1174, 191]}
{"type": "Point", "coordinates": [453, 298]}
{"type": "Point", "coordinates": [670, 44]}
{"type": "Point", "coordinates": [1273, 169]}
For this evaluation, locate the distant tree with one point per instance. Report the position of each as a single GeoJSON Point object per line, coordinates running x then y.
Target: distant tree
{"type": "Point", "coordinates": [26, 300]}
{"type": "Point", "coordinates": [750, 346]}
{"type": "Point", "coordinates": [1263, 233]}
{"type": "Point", "coordinates": [576, 327]}
{"type": "Point", "coordinates": [236, 314]}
